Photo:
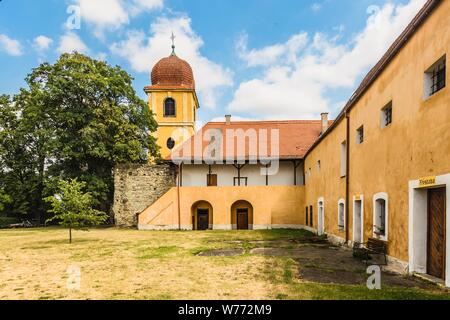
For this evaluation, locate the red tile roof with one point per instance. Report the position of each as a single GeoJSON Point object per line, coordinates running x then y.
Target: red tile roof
{"type": "Point", "coordinates": [295, 139]}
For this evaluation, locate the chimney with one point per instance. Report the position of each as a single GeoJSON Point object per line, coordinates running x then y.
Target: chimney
{"type": "Point", "coordinates": [228, 119]}
{"type": "Point", "coordinates": [324, 122]}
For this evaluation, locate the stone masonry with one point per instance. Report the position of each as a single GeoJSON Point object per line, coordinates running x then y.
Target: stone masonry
{"type": "Point", "coordinates": [136, 187]}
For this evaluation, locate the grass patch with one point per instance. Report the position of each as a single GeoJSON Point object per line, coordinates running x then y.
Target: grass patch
{"type": "Point", "coordinates": [158, 253]}
{"type": "Point", "coordinates": [129, 264]}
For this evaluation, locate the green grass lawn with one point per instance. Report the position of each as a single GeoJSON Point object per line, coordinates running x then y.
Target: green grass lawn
{"type": "Point", "coordinates": [130, 264]}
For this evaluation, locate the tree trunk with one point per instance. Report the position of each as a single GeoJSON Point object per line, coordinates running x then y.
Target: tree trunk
{"type": "Point", "coordinates": [70, 235]}
{"type": "Point", "coordinates": [40, 191]}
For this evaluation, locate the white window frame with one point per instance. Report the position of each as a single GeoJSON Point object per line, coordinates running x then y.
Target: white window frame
{"type": "Point", "coordinates": [361, 199]}
{"type": "Point", "coordinates": [344, 146]}
{"type": "Point", "coordinates": [341, 201]}
{"type": "Point", "coordinates": [321, 227]}
{"type": "Point", "coordinates": [381, 196]}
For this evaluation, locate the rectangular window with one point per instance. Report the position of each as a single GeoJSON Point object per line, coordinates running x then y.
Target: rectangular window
{"type": "Point", "coordinates": [360, 135]}
{"type": "Point", "coordinates": [241, 182]}
{"type": "Point", "coordinates": [341, 213]}
{"type": "Point", "coordinates": [386, 115]}
{"type": "Point", "coordinates": [311, 215]}
{"type": "Point", "coordinates": [319, 165]}
{"type": "Point", "coordinates": [435, 78]}
{"type": "Point", "coordinates": [380, 218]}
{"type": "Point", "coordinates": [212, 180]}
{"type": "Point", "coordinates": [344, 159]}
{"type": "Point", "coordinates": [307, 217]}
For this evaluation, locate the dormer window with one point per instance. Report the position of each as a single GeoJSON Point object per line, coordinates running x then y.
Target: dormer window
{"type": "Point", "coordinates": [170, 108]}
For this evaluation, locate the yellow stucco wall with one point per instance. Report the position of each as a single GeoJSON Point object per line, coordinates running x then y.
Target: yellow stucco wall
{"type": "Point", "coordinates": [326, 182]}
{"type": "Point", "coordinates": [272, 205]}
{"type": "Point", "coordinates": [415, 145]}
{"type": "Point", "coordinates": [186, 108]}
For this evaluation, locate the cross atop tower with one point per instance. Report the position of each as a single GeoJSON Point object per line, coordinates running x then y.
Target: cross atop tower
{"type": "Point", "coordinates": [173, 43]}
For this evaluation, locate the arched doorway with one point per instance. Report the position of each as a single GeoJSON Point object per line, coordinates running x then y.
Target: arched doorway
{"type": "Point", "coordinates": [202, 216]}
{"type": "Point", "coordinates": [242, 215]}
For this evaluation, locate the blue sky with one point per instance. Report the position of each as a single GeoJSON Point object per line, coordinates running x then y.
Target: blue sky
{"type": "Point", "coordinates": [254, 59]}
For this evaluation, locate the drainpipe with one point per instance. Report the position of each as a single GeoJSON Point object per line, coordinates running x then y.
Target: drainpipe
{"type": "Point", "coordinates": [178, 196]}
{"type": "Point", "coordinates": [347, 180]}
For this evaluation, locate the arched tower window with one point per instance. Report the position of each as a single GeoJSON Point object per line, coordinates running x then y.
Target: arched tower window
{"type": "Point", "coordinates": [170, 108]}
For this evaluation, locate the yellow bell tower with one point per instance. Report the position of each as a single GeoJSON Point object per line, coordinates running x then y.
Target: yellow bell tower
{"type": "Point", "coordinates": [173, 100]}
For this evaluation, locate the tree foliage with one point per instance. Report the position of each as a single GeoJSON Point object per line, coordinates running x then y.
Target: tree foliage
{"type": "Point", "coordinates": [77, 118]}
{"type": "Point", "coordinates": [73, 208]}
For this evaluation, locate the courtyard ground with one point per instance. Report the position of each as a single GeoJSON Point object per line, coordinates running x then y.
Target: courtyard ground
{"type": "Point", "coordinates": [130, 264]}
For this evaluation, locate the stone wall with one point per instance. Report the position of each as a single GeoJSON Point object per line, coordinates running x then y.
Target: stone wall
{"type": "Point", "coordinates": [136, 187]}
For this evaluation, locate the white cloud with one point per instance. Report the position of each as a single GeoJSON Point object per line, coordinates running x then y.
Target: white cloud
{"type": "Point", "coordinates": [316, 7]}
{"type": "Point", "coordinates": [110, 15]}
{"type": "Point", "coordinates": [138, 6]}
{"type": "Point", "coordinates": [42, 43]}
{"type": "Point", "coordinates": [143, 52]}
{"type": "Point", "coordinates": [271, 54]}
{"type": "Point", "coordinates": [296, 84]}
{"type": "Point", "coordinates": [70, 42]}
{"type": "Point", "coordinates": [10, 46]}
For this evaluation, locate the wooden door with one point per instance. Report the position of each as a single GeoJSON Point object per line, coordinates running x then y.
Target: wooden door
{"type": "Point", "coordinates": [242, 219]}
{"type": "Point", "coordinates": [202, 219]}
{"type": "Point", "coordinates": [436, 232]}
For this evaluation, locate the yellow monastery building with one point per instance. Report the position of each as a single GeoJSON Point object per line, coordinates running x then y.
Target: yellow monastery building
{"type": "Point", "coordinates": [380, 170]}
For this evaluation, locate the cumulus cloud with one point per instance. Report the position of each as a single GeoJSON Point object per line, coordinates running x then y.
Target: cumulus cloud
{"type": "Point", "coordinates": [296, 80]}
{"type": "Point", "coordinates": [143, 51]}
{"type": "Point", "coordinates": [71, 42]}
{"type": "Point", "coordinates": [42, 43]}
{"type": "Point", "coordinates": [10, 46]}
{"type": "Point", "coordinates": [110, 15]}
{"type": "Point", "coordinates": [271, 54]}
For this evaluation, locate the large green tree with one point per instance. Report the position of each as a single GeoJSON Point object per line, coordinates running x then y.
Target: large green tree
{"type": "Point", "coordinates": [78, 118]}
{"type": "Point", "coordinates": [18, 169]}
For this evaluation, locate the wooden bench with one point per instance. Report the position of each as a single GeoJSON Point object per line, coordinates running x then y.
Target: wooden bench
{"type": "Point", "coordinates": [372, 247]}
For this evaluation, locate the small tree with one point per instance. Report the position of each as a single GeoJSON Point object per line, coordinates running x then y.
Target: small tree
{"type": "Point", "coordinates": [72, 207]}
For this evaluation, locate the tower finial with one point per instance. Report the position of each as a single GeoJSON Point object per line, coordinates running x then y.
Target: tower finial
{"type": "Point", "coordinates": [173, 44]}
